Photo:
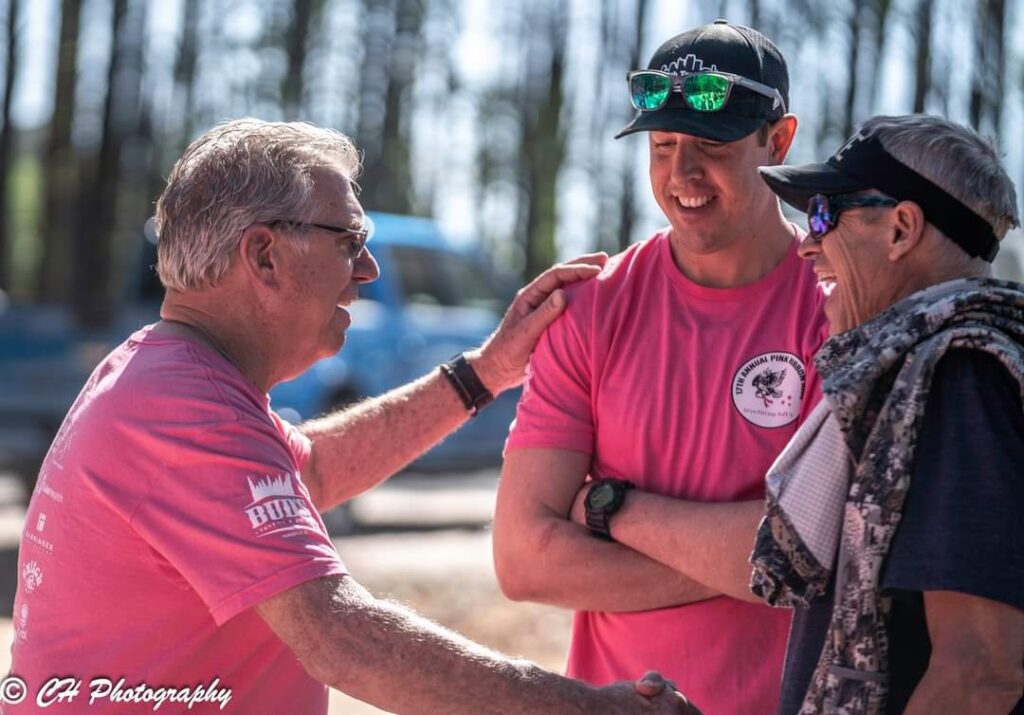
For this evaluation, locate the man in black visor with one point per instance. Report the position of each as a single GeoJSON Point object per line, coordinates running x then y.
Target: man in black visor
{"type": "Point", "coordinates": [893, 516]}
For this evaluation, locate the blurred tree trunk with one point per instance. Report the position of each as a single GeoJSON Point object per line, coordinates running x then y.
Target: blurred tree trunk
{"type": "Point", "coordinates": [856, 22]}
{"type": "Point", "coordinates": [60, 172]}
{"type": "Point", "coordinates": [185, 72]}
{"type": "Point", "coordinates": [922, 58]}
{"type": "Point", "coordinates": [393, 43]}
{"type": "Point", "coordinates": [296, 38]}
{"type": "Point", "coordinates": [96, 240]}
{"type": "Point", "coordinates": [627, 207]}
{"type": "Point", "coordinates": [881, 20]}
{"type": "Point", "coordinates": [988, 80]}
{"type": "Point", "coordinates": [7, 144]}
{"type": "Point", "coordinates": [542, 149]}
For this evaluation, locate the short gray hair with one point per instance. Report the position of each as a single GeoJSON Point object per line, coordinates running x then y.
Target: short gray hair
{"type": "Point", "coordinates": [954, 158]}
{"type": "Point", "coordinates": [239, 173]}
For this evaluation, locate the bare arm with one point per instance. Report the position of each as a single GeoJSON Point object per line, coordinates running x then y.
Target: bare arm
{"type": "Point", "coordinates": [709, 542]}
{"type": "Point", "coordinates": [356, 449]}
{"type": "Point", "coordinates": [386, 655]}
{"type": "Point", "coordinates": [977, 661]}
{"type": "Point", "coordinates": [540, 555]}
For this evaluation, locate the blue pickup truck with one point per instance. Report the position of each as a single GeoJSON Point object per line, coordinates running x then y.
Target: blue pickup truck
{"type": "Point", "coordinates": [431, 301]}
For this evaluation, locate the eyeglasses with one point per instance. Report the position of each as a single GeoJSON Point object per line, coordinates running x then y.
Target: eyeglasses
{"type": "Point", "coordinates": [355, 238]}
{"type": "Point", "coordinates": [649, 90]}
{"type": "Point", "coordinates": [823, 210]}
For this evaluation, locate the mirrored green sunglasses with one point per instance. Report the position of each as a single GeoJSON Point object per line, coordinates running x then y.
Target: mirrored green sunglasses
{"type": "Point", "coordinates": [649, 90]}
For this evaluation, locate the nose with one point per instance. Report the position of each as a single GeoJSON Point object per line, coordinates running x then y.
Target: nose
{"type": "Point", "coordinates": [366, 269]}
{"type": "Point", "coordinates": [686, 164]}
{"type": "Point", "coordinates": [809, 247]}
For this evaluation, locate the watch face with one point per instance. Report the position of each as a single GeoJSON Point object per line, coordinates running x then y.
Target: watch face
{"type": "Point", "coordinates": [601, 496]}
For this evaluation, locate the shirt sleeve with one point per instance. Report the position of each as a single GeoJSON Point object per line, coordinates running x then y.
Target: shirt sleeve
{"type": "Point", "coordinates": [226, 507]}
{"type": "Point", "coordinates": [555, 409]}
{"type": "Point", "coordinates": [961, 521]}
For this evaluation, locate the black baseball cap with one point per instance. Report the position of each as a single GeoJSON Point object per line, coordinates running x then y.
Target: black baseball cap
{"type": "Point", "coordinates": [723, 47]}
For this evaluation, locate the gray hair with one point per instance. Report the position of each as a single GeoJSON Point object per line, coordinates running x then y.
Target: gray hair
{"type": "Point", "coordinates": [954, 158]}
{"type": "Point", "coordinates": [239, 173]}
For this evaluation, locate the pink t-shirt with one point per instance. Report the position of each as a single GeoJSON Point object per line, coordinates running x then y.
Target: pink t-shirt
{"type": "Point", "coordinates": [169, 504]}
{"type": "Point", "coordinates": [691, 392]}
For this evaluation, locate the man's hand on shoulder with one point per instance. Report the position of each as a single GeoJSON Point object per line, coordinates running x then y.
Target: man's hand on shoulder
{"type": "Point", "coordinates": [502, 360]}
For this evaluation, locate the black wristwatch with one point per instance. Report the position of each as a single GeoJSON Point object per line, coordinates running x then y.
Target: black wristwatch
{"type": "Point", "coordinates": [604, 499]}
{"type": "Point", "coordinates": [463, 378]}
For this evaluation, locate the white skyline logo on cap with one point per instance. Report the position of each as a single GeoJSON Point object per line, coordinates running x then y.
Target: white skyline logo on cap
{"type": "Point", "coordinates": [688, 65]}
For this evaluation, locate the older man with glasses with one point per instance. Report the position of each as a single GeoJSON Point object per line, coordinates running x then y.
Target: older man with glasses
{"type": "Point", "coordinates": [173, 554]}
{"type": "Point", "coordinates": [893, 519]}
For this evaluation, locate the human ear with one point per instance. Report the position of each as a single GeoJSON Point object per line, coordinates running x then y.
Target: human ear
{"type": "Point", "coordinates": [259, 251]}
{"type": "Point", "coordinates": [907, 229]}
{"type": "Point", "coordinates": [780, 138]}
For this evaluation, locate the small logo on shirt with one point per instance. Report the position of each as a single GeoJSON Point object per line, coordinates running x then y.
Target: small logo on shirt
{"type": "Point", "coordinates": [21, 623]}
{"type": "Point", "coordinates": [275, 506]}
{"type": "Point", "coordinates": [769, 388]}
{"type": "Point", "coordinates": [32, 576]}
{"type": "Point", "coordinates": [41, 522]}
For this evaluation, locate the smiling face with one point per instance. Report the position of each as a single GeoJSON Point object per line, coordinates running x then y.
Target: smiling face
{"type": "Point", "coordinates": [324, 274]}
{"type": "Point", "coordinates": [710, 191]}
{"type": "Point", "coordinates": [852, 262]}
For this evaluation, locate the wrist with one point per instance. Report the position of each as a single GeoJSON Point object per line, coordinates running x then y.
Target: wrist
{"type": "Point", "coordinates": [488, 371]}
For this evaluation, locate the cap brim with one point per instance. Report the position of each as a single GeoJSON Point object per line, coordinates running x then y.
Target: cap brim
{"type": "Point", "coordinates": [718, 126]}
{"type": "Point", "coordinates": [797, 184]}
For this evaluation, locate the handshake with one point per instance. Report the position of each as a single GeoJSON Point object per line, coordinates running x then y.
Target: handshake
{"type": "Point", "coordinates": [659, 696]}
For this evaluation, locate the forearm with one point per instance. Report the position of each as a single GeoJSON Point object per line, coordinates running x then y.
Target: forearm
{"type": "Point", "coordinates": [708, 542]}
{"type": "Point", "coordinates": [564, 565]}
{"type": "Point", "coordinates": [384, 654]}
{"type": "Point", "coordinates": [953, 691]}
{"type": "Point", "coordinates": [977, 659]}
{"type": "Point", "coordinates": [359, 447]}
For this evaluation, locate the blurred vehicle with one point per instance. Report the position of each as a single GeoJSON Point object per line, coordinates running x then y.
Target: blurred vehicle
{"type": "Point", "coordinates": [432, 301]}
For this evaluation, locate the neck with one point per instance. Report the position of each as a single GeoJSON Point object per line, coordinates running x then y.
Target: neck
{"type": "Point", "coordinates": [228, 336]}
{"type": "Point", "coordinates": [758, 250]}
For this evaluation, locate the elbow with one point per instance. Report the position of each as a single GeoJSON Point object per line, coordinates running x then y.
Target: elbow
{"type": "Point", "coordinates": [514, 577]}
{"type": "Point", "coordinates": [521, 563]}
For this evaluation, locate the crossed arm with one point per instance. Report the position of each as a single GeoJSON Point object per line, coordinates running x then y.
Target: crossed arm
{"type": "Point", "coordinates": [667, 551]}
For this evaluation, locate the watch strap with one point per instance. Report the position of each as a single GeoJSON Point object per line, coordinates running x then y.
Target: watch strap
{"type": "Point", "coordinates": [467, 384]}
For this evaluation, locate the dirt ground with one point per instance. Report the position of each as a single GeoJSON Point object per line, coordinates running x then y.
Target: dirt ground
{"type": "Point", "coordinates": [423, 541]}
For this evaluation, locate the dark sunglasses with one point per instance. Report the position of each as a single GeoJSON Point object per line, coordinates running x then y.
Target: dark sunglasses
{"type": "Point", "coordinates": [649, 90]}
{"type": "Point", "coordinates": [823, 210]}
{"type": "Point", "coordinates": [356, 238]}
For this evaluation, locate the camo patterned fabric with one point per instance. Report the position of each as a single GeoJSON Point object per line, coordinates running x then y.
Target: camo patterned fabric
{"type": "Point", "coordinates": [876, 378]}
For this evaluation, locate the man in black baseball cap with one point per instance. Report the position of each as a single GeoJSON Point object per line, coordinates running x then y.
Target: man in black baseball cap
{"type": "Point", "coordinates": [680, 373]}
{"type": "Point", "coordinates": [739, 55]}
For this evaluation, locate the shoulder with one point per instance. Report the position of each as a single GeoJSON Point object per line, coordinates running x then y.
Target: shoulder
{"type": "Point", "coordinates": [624, 272]}
{"type": "Point", "coordinates": [171, 381]}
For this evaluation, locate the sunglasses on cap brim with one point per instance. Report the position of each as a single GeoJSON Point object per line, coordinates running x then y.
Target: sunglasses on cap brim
{"type": "Point", "coordinates": [649, 90]}
{"type": "Point", "coordinates": [823, 210]}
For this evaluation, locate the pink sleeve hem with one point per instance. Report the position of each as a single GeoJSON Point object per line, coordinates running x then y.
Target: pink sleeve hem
{"type": "Point", "coordinates": [274, 584]}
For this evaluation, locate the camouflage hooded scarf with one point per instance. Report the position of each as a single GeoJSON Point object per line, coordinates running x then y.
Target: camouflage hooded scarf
{"type": "Point", "coordinates": [876, 379]}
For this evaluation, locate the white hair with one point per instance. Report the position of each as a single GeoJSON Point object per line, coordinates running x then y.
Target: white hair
{"type": "Point", "coordinates": [239, 173]}
{"type": "Point", "coordinates": [957, 160]}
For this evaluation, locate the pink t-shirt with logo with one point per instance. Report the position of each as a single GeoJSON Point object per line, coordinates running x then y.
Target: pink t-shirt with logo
{"type": "Point", "coordinates": [169, 505]}
{"type": "Point", "coordinates": [691, 392]}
